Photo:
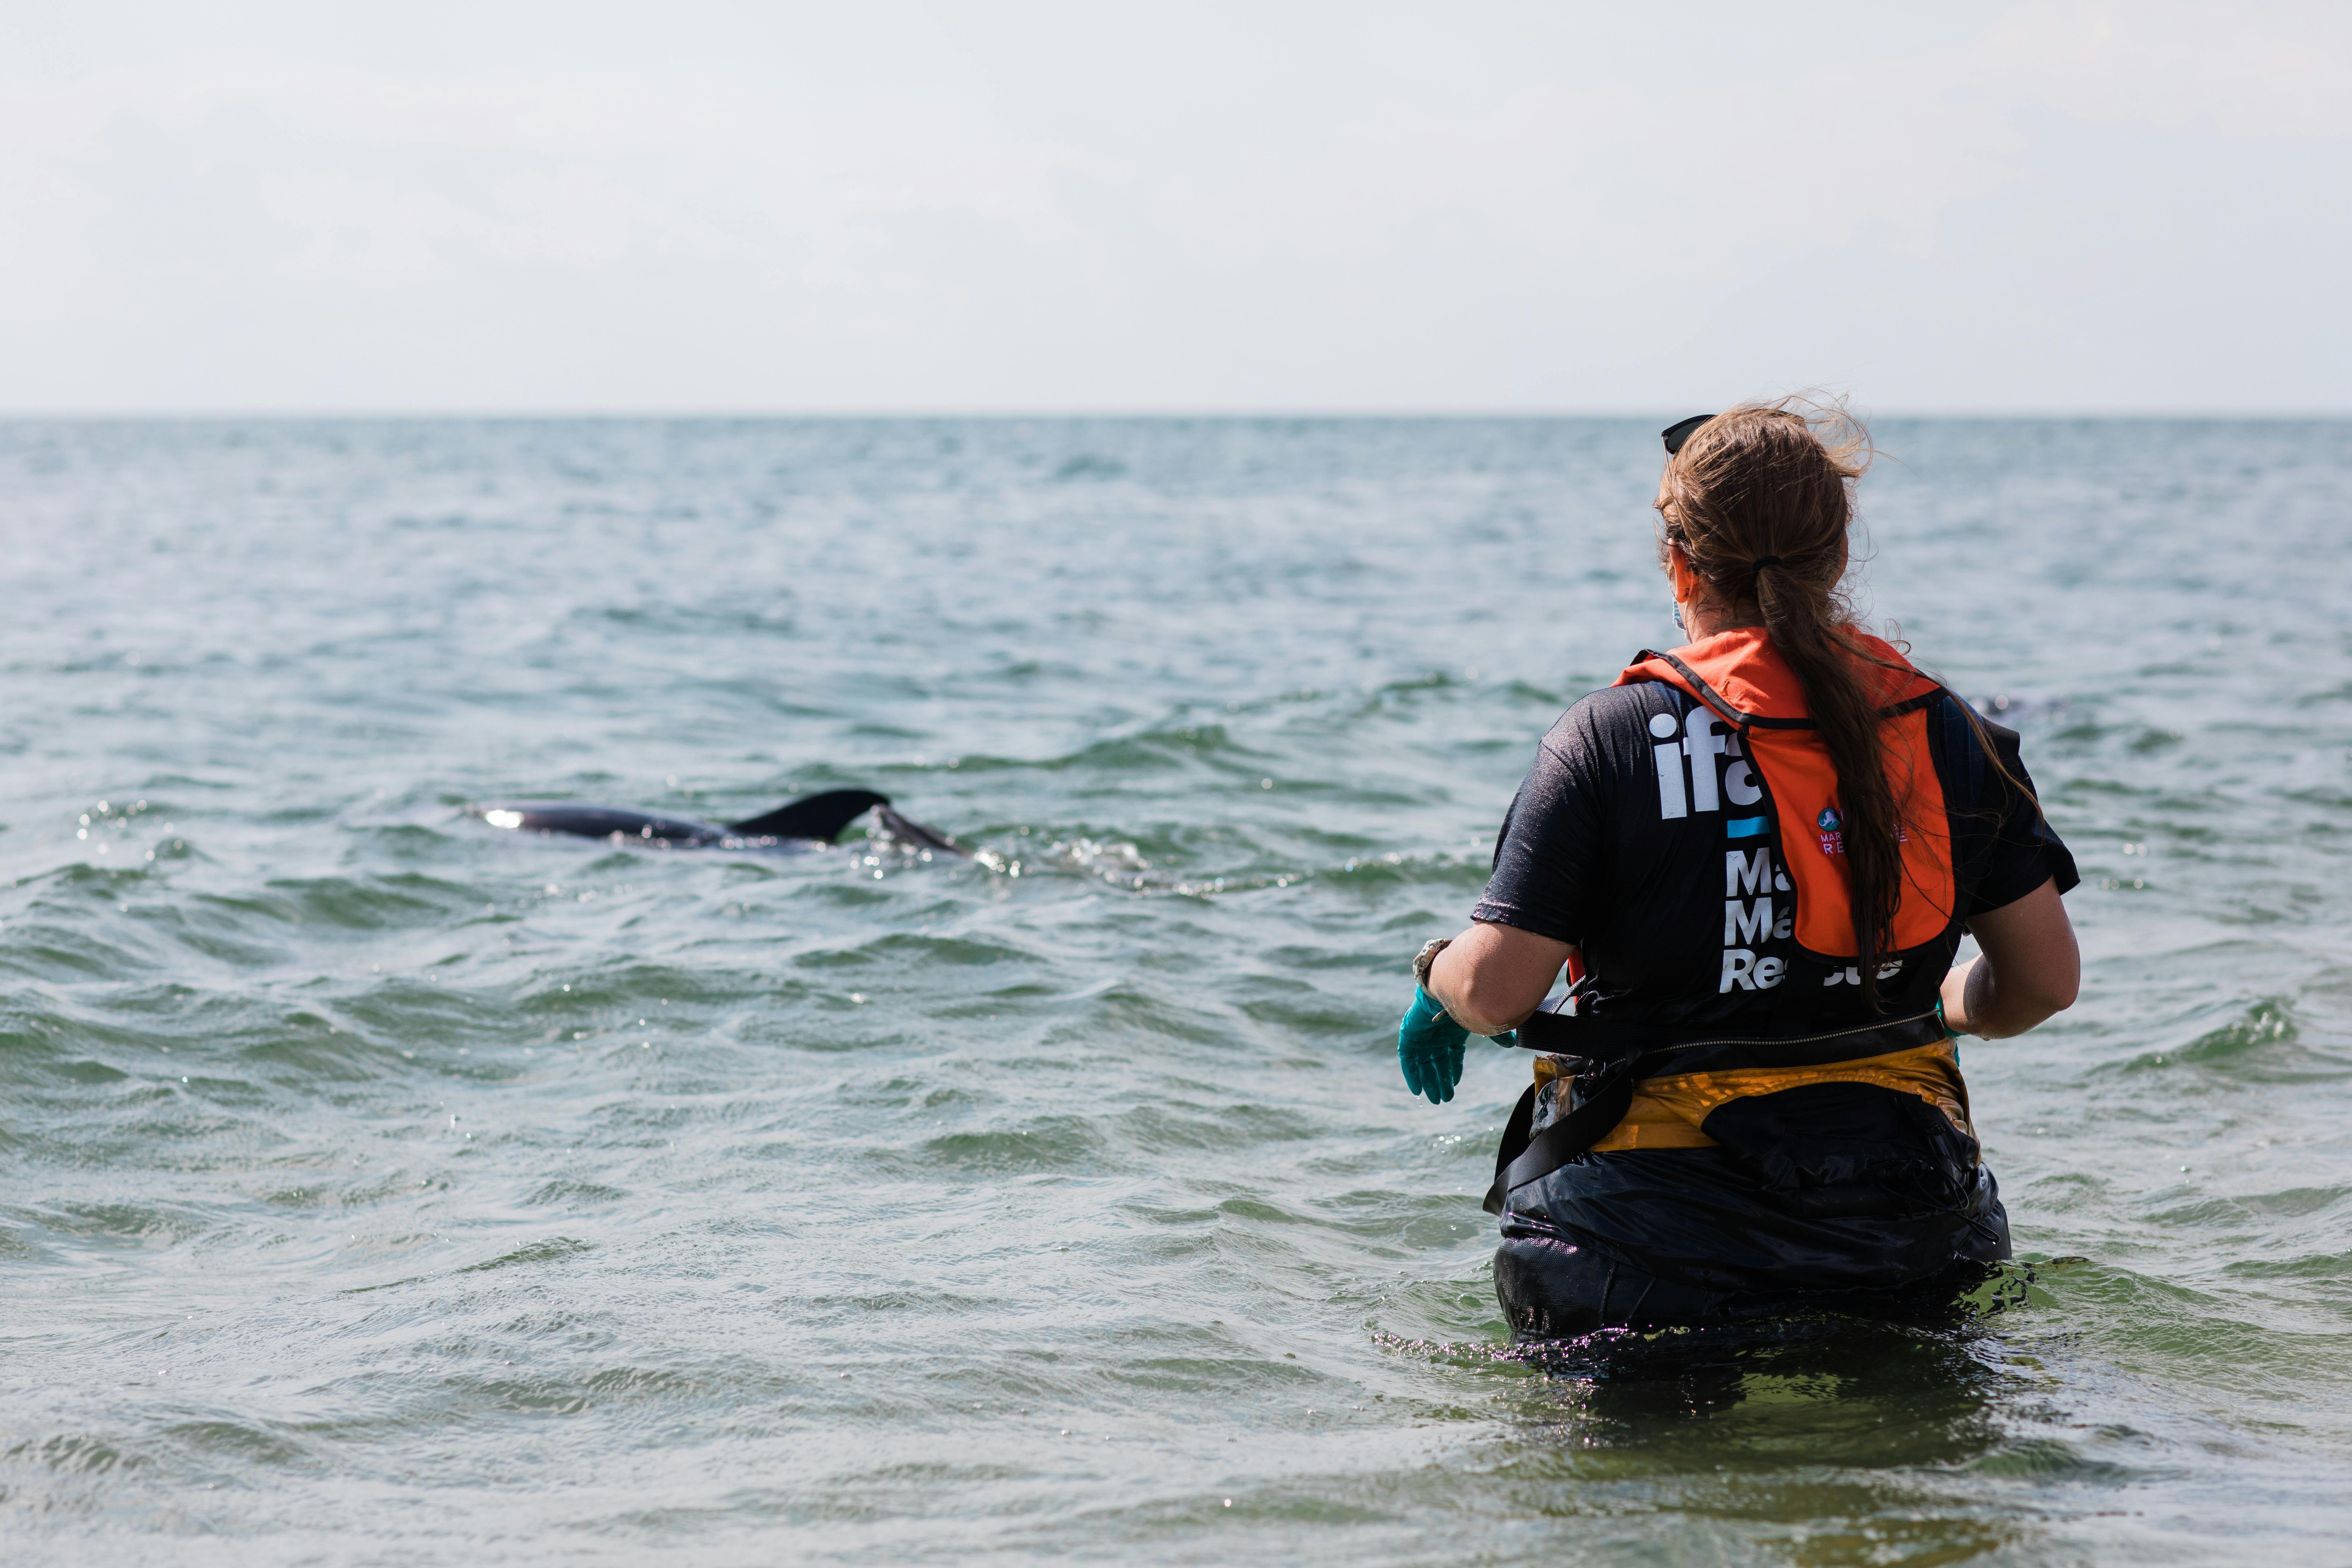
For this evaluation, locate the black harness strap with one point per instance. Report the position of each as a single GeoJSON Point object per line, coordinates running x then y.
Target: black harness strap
{"type": "Point", "coordinates": [1522, 1159]}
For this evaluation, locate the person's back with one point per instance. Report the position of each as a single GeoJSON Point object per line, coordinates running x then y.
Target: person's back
{"type": "Point", "coordinates": [1757, 854]}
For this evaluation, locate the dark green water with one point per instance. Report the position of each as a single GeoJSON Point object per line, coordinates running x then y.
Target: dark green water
{"type": "Point", "coordinates": [377, 1188]}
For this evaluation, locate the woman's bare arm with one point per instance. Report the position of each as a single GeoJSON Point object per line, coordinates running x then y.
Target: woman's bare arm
{"type": "Point", "coordinates": [2027, 969]}
{"type": "Point", "coordinates": [1492, 976]}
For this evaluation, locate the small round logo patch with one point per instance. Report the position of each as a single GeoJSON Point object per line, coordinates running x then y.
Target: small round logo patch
{"type": "Point", "coordinates": [1829, 821]}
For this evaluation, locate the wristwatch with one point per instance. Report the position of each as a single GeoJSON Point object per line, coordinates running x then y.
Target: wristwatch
{"type": "Point", "coordinates": [1427, 956]}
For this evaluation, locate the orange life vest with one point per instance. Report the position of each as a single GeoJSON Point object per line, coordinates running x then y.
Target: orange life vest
{"type": "Point", "coordinates": [1743, 680]}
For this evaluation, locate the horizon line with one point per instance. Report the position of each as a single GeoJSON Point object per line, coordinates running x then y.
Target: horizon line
{"type": "Point", "coordinates": [159, 415]}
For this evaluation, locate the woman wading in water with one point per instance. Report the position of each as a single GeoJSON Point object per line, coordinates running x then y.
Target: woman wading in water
{"type": "Point", "coordinates": [1756, 857]}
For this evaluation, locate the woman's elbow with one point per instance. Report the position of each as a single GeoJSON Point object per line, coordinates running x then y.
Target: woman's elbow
{"type": "Point", "coordinates": [2052, 987]}
{"type": "Point", "coordinates": [1483, 1011]}
{"type": "Point", "coordinates": [1493, 999]}
{"type": "Point", "coordinates": [2037, 998]}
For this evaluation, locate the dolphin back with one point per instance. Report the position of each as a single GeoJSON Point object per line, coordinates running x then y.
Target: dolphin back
{"type": "Point", "coordinates": [601, 822]}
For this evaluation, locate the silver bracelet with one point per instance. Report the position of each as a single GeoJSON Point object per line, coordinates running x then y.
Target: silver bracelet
{"type": "Point", "coordinates": [1427, 956]}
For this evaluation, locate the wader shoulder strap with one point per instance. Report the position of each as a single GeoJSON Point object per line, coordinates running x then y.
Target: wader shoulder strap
{"type": "Point", "coordinates": [1523, 1158]}
{"type": "Point", "coordinates": [1960, 740]}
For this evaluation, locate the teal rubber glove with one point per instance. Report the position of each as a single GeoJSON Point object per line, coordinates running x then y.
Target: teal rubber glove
{"type": "Point", "coordinates": [1429, 1048]}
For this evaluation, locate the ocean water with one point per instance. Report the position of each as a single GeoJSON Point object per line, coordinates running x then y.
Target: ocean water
{"type": "Point", "coordinates": [375, 1188]}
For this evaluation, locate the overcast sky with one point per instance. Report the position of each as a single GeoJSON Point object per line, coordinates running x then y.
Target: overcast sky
{"type": "Point", "coordinates": [1135, 206]}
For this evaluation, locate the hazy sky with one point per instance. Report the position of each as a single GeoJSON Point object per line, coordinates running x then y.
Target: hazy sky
{"type": "Point", "coordinates": [1112, 205]}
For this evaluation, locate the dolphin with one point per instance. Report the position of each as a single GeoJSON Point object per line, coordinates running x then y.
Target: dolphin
{"type": "Point", "coordinates": [808, 823]}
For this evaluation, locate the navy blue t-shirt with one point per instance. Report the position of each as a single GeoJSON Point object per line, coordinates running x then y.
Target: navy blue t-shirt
{"type": "Point", "coordinates": [1669, 883]}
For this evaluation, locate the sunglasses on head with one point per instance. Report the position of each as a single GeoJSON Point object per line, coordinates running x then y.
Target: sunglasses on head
{"type": "Point", "coordinates": [1680, 431]}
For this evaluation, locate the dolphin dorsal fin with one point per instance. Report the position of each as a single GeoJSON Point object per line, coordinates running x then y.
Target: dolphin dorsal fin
{"type": "Point", "coordinates": [816, 816]}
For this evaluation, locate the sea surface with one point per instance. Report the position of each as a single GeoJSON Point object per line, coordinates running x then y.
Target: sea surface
{"type": "Point", "coordinates": [376, 1187]}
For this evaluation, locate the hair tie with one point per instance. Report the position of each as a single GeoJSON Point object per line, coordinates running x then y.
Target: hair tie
{"type": "Point", "coordinates": [1764, 561]}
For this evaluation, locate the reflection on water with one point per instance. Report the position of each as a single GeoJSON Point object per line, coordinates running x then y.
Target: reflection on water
{"type": "Point", "coordinates": [1825, 1441]}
